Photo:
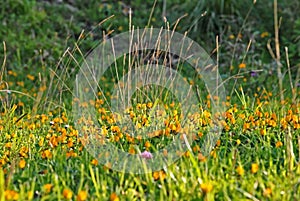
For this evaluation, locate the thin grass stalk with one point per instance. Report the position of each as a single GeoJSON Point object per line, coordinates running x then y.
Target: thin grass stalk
{"type": "Point", "coordinates": [289, 150]}
{"type": "Point", "coordinates": [277, 51]}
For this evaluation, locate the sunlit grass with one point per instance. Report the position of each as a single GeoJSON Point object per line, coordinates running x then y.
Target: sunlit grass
{"type": "Point", "coordinates": [43, 154]}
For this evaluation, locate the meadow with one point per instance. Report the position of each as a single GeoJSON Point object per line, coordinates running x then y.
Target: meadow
{"type": "Point", "coordinates": [46, 152]}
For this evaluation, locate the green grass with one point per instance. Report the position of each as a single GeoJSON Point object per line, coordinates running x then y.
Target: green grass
{"type": "Point", "coordinates": [30, 137]}
{"type": "Point", "coordinates": [43, 152]}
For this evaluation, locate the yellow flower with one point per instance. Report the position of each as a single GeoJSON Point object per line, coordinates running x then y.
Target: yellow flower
{"type": "Point", "coordinates": [94, 162]}
{"type": "Point", "coordinates": [47, 154]}
{"type": "Point", "coordinates": [114, 197]}
{"type": "Point", "coordinates": [159, 175]}
{"type": "Point", "coordinates": [8, 145]}
{"type": "Point", "coordinates": [246, 126]}
{"type": "Point", "coordinates": [10, 72]}
{"type": "Point", "coordinates": [238, 141]}
{"type": "Point", "coordinates": [47, 188]}
{"type": "Point", "coordinates": [149, 105]}
{"type": "Point", "coordinates": [11, 195]}
{"type": "Point", "coordinates": [263, 132]}
{"type": "Point", "coordinates": [147, 145]}
{"type": "Point", "coordinates": [267, 192]}
{"type": "Point", "coordinates": [242, 65]}
{"type": "Point", "coordinates": [206, 187]}
{"type": "Point", "coordinates": [82, 196]}
{"type": "Point", "coordinates": [67, 193]}
{"type": "Point", "coordinates": [213, 153]}
{"type": "Point", "coordinates": [31, 77]}
{"type": "Point", "coordinates": [240, 170]}
{"type": "Point", "coordinates": [278, 144]}
{"type": "Point", "coordinates": [264, 34]}
{"type": "Point", "coordinates": [30, 195]}
{"type": "Point", "coordinates": [22, 163]}
{"type": "Point", "coordinates": [131, 150]}
{"type": "Point", "coordinates": [254, 168]}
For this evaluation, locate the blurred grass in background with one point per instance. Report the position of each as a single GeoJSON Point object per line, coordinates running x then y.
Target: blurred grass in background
{"type": "Point", "coordinates": [37, 33]}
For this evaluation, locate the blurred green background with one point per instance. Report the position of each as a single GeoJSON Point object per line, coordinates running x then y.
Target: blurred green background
{"type": "Point", "coordinates": [37, 33]}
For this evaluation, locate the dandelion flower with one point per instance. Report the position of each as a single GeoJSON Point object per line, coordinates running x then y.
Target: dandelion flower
{"type": "Point", "coordinates": [254, 168]}
{"type": "Point", "coordinates": [240, 170]}
{"type": "Point", "coordinates": [11, 195]}
{"type": "Point", "coordinates": [242, 65]}
{"type": "Point", "coordinates": [67, 193]}
{"type": "Point", "coordinates": [82, 196]}
{"type": "Point", "coordinates": [264, 34]}
{"type": "Point", "coordinates": [267, 192]}
{"type": "Point", "coordinates": [30, 77]}
{"type": "Point", "coordinates": [159, 175]}
{"type": "Point", "coordinates": [47, 188]}
{"type": "Point", "coordinates": [278, 144]}
{"type": "Point", "coordinates": [206, 187]}
{"type": "Point", "coordinates": [22, 164]}
{"type": "Point", "coordinates": [47, 154]}
{"type": "Point", "coordinates": [114, 197]}
{"type": "Point", "coordinates": [94, 162]}
{"type": "Point", "coordinates": [263, 132]}
{"type": "Point", "coordinates": [147, 144]}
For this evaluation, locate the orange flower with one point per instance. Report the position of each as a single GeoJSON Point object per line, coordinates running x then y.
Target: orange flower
{"type": "Point", "coordinates": [263, 132]}
{"type": "Point", "coordinates": [114, 197]}
{"type": "Point", "coordinates": [22, 163]}
{"type": "Point", "coordinates": [11, 195]}
{"type": "Point", "coordinates": [159, 175]}
{"type": "Point", "coordinates": [67, 193]}
{"type": "Point", "coordinates": [242, 65]}
{"type": "Point", "coordinates": [267, 192]}
{"type": "Point", "coordinates": [8, 145]}
{"type": "Point", "coordinates": [94, 162]}
{"type": "Point", "coordinates": [70, 143]}
{"type": "Point", "coordinates": [82, 196]}
{"type": "Point", "coordinates": [131, 150]}
{"type": "Point", "coordinates": [147, 144]}
{"type": "Point", "coordinates": [31, 77]}
{"type": "Point", "coordinates": [264, 34]}
{"type": "Point", "coordinates": [278, 144]}
{"type": "Point", "coordinates": [47, 188]}
{"type": "Point", "coordinates": [47, 154]}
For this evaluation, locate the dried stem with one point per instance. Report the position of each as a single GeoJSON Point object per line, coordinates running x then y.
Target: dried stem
{"type": "Point", "coordinates": [277, 51]}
